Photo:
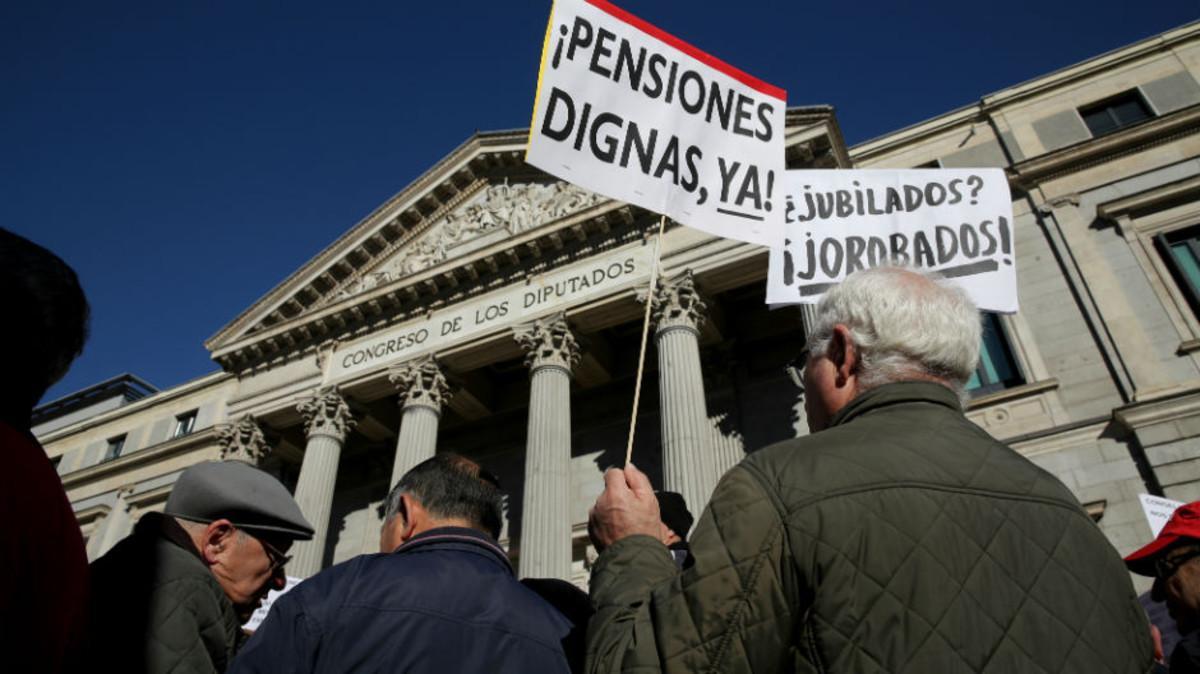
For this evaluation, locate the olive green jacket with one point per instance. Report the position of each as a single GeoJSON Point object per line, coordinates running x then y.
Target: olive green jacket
{"type": "Point", "coordinates": [901, 539]}
{"type": "Point", "coordinates": [155, 606]}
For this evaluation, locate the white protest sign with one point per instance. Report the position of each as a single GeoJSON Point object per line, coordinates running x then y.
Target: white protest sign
{"type": "Point", "coordinates": [956, 221]}
{"type": "Point", "coordinates": [1158, 511]}
{"type": "Point", "coordinates": [634, 113]}
{"type": "Point", "coordinates": [260, 613]}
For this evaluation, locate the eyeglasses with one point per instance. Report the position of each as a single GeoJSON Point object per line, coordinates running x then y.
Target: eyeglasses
{"type": "Point", "coordinates": [278, 559]}
{"type": "Point", "coordinates": [1165, 567]}
{"type": "Point", "coordinates": [795, 370]}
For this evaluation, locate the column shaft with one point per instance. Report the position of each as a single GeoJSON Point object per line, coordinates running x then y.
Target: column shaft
{"type": "Point", "coordinates": [417, 440]}
{"type": "Point", "coordinates": [689, 463]}
{"type": "Point", "coordinates": [546, 523]}
{"type": "Point", "coordinates": [314, 494]}
{"type": "Point", "coordinates": [327, 422]}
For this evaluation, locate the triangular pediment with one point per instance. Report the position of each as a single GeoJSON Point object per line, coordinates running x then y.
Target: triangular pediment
{"type": "Point", "coordinates": [480, 195]}
{"type": "Point", "coordinates": [492, 213]}
{"type": "Point", "coordinates": [478, 214]}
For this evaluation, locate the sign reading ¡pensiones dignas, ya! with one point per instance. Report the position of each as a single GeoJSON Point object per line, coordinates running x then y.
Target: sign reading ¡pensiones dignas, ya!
{"type": "Point", "coordinates": [541, 295]}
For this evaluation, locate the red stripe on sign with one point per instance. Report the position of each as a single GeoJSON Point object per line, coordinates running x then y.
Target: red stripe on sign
{"type": "Point", "coordinates": [698, 54]}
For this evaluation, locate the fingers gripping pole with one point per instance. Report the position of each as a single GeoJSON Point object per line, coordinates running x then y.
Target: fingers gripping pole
{"type": "Point", "coordinates": [637, 382]}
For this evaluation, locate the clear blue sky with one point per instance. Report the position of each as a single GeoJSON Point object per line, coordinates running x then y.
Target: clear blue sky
{"type": "Point", "coordinates": [186, 156]}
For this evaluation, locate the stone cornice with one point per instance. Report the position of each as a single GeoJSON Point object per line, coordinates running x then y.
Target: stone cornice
{"type": "Point", "coordinates": [1095, 151]}
{"type": "Point", "coordinates": [454, 280]}
{"type": "Point", "coordinates": [153, 400]}
{"type": "Point", "coordinates": [162, 450]}
{"type": "Point", "coordinates": [1147, 412]}
{"type": "Point", "coordinates": [977, 112]}
{"type": "Point", "coordinates": [1151, 200]}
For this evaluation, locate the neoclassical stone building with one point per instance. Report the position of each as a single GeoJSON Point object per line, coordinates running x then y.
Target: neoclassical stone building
{"type": "Point", "coordinates": [492, 310]}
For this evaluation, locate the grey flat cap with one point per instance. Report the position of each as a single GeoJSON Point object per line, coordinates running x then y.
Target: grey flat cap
{"type": "Point", "coordinates": [240, 493]}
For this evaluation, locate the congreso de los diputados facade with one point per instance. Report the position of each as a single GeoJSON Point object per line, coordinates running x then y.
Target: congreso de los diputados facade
{"type": "Point", "coordinates": [494, 311]}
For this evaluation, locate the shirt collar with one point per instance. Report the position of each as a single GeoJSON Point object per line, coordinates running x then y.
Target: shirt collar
{"type": "Point", "coordinates": [448, 536]}
{"type": "Point", "coordinates": [897, 393]}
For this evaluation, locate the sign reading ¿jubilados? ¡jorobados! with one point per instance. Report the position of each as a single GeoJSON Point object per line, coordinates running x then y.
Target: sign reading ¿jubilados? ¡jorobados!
{"type": "Point", "coordinates": [957, 222]}
{"type": "Point", "coordinates": [631, 112]}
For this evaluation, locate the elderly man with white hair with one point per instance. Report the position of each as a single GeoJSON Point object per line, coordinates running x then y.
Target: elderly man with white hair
{"type": "Point", "coordinates": [898, 536]}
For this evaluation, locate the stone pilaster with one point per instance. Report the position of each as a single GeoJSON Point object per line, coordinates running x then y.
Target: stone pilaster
{"type": "Point", "coordinates": [243, 440]}
{"type": "Point", "coordinates": [551, 352]}
{"type": "Point", "coordinates": [327, 421]}
{"type": "Point", "coordinates": [690, 462]}
{"type": "Point", "coordinates": [423, 390]}
{"type": "Point", "coordinates": [116, 525]}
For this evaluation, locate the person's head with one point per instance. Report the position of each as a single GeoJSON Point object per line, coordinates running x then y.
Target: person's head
{"type": "Point", "coordinates": [886, 325]}
{"type": "Point", "coordinates": [447, 490]}
{"type": "Point", "coordinates": [242, 522]}
{"type": "Point", "coordinates": [47, 317]}
{"type": "Point", "coordinates": [246, 565]}
{"type": "Point", "coordinates": [1173, 560]}
{"type": "Point", "coordinates": [676, 518]}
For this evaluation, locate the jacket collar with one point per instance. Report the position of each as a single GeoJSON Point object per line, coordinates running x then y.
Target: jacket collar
{"type": "Point", "coordinates": [158, 525]}
{"type": "Point", "coordinates": [456, 537]}
{"type": "Point", "coordinates": [895, 394]}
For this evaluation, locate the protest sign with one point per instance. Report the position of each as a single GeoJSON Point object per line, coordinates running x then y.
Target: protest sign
{"type": "Point", "coordinates": [956, 221]}
{"type": "Point", "coordinates": [1158, 511]}
{"type": "Point", "coordinates": [260, 613]}
{"type": "Point", "coordinates": [631, 112]}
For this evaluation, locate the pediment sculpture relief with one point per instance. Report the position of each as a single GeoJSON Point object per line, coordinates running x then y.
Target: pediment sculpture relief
{"type": "Point", "coordinates": [516, 208]}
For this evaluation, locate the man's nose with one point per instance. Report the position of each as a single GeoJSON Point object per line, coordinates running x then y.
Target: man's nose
{"type": "Point", "coordinates": [278, 579]}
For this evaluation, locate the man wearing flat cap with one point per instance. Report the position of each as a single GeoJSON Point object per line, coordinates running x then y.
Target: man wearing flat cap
{"type": "Point", "coordinates": [1173, 560]}
{"type": "Point", "coordinates": [173, 595]}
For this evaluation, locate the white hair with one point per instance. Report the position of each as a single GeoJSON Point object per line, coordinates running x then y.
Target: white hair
{"type": "Point", "coordinates": [905, 324]}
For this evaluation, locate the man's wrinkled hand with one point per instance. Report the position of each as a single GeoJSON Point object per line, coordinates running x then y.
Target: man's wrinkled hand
{"type": "Point", "coordinates": [626, 507]}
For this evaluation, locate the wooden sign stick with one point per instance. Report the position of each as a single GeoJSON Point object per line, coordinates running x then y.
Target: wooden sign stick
{"type": "Point", "coordinates": [637, 382]}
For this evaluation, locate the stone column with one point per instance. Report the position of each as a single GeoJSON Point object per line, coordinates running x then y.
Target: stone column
{"type": "Point", "coordinates": [423, 391]}
{"type": "Point", "coordinates": [551, 352]}
{"type": "Point", "coordinates": [243, 441]}
{"type": "Point", "coordinates": [327, 420]}
{"type": "Point", "coordinates": [690, 462]}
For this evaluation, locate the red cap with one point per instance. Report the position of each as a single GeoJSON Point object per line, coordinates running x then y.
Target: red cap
{"type": "Point", "coordinates": [1184, 524]}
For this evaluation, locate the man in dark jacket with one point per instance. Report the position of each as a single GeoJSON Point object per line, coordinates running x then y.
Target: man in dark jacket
{"type": "Point", "coordinates": [899, 536]}
{"type": "Point", "coordinates": [173, 595]}
{"type": "Point", "coordinates": [440, 598]}
{"type": "Point", "coordinates": [1173, 560]}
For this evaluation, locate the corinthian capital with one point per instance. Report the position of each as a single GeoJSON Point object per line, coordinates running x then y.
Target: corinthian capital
{"type": "Point", "coordinates": [421, 382]}
{"type": "Point", "coordinates": [326, 413]}
{"type": "Point", "coordinates": [243, 440]}
{"type": "Point", "coordinates": [677, 304]}
{"type": "Point", "coordinates": [548, 342]}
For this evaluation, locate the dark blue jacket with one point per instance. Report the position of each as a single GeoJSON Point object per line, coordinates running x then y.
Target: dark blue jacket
{"type": "Point", "coordinates": [445, 601]}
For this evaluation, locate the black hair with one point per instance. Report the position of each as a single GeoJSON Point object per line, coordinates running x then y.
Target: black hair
{"type": "Point", "coordinates": [47, 316]}
{"type": "Point", "coordinates": [451, 487]}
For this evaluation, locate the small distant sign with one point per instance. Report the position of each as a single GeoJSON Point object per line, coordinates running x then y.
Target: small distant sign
{"type": "Point", "coordinates": [1158, 510]}
{"type": "Point", "coordinates": [260, 614]}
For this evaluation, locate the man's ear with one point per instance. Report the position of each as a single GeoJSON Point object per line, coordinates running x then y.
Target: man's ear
{"type": "Point", "coordinates": [217, 539]}
{"type": "Point", "coordinates": [844, 353]}
{"type": "Point", "coordinates": [415, 519]}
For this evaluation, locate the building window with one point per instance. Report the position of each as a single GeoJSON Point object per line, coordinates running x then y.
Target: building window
{"type": "Point", "coordinates": [115, 447]}
{"type": "Point", "coordinates": [184, 423]}
{"type": "Point", "coordinates": [997, 368]}
{"type": "Point", "coordinates": [1118, 112]}
{"type": "Point", "coordinates": [1181, 252]}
